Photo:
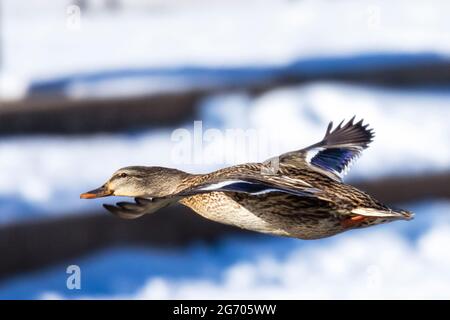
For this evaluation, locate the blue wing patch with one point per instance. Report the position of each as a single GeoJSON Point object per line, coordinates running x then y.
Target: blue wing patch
{"type": "Point", "coordinates": [339, 148]}
{"type": "Point", "coordinates": [336, 160]}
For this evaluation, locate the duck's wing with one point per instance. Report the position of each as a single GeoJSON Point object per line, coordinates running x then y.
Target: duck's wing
{"type": "Point", "coordinates": [238, 182]}
{"type": "Point", "coordinates": [336, 152]}
{"type": "Point", "coordinates": [250, 186]}
{"type": "Point", "coordinates": [141, 206]}
{"type": "Point", "coordinates": [250, 179]}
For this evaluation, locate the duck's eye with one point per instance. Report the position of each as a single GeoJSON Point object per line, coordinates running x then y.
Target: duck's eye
{"type": "Point", "coordinates": [123, 175]}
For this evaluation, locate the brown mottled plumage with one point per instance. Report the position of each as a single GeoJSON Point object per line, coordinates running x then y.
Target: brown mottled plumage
{"type": "Point", "coordinates": [298, 194]}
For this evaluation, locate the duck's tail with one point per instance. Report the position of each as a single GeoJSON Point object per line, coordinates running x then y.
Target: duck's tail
{"type": "Point", "coordinates": [394, 214]}
{"type": "Point", "coordinates": [407, 215]}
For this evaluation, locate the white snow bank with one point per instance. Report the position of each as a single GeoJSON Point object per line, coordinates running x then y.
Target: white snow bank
{"type": "Point", "coordinates": [364, 267]}
{"type": "Point", "coordinates": [44, 39]}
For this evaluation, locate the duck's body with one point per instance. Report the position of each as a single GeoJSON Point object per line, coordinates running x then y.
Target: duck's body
{"type": "Point", "coordinates": [284, 214]}
{"type": "Point", "coordinates": [298, 194]}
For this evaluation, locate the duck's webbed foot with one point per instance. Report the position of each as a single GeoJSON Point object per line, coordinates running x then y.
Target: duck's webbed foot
{"type": "Point", "coordinates": [134, 210]}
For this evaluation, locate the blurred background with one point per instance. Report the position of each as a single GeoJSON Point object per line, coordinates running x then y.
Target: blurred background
{"type": "Point", "coordinates": [89, 86]}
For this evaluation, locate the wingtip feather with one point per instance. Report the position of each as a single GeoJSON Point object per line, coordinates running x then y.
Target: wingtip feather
{"type": "Point", "coordinates": [350, 133]}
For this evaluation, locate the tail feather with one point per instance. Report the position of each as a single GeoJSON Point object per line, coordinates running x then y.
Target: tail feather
{"type": "Point", "coordinates": [394, 214]}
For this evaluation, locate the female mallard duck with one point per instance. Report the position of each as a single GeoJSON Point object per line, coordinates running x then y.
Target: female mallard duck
{"type": "Point", "coordinates": [299, 194]}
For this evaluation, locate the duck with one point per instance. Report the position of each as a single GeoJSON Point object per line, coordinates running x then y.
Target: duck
{"type": "Point", "coordinates": [299, 194]}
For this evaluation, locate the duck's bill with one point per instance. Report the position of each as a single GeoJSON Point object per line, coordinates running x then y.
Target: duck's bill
{"type": "Point", "coordinates": [97, 193]}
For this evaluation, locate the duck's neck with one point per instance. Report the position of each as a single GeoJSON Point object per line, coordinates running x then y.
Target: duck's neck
{"type": "Point", "coordinates": [169, 182]}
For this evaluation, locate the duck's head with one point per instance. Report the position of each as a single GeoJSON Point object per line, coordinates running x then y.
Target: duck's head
{"type": "Point", "coordinates": [139, 182]}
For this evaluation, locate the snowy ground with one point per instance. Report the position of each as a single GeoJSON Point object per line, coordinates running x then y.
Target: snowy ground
{"type": "Point", "coordinates": [44, 40]}
{"type": "Point", "coordinates": [44, 175]}
{"type": "Point", "coordinates": [399, 260]}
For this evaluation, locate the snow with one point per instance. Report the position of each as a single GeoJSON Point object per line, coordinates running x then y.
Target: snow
{"type": "Point", "coordinates": [43, 175]}
{"type": "Point", "coordinates": [369, 267]}
{"type": "Point", "coordinates": [402, 260]}
{"type": "Point", "coordinates": [45, 40]}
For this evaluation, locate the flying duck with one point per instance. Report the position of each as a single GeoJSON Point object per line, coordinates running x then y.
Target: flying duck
{"type": "Point", "coordinates": [298, 194]}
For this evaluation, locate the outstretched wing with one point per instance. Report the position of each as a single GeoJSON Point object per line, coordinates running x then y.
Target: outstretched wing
{"type": "Point", "coordinates": [338, 149]}
{"type": "Point", "coordinates": [240, 184]}
{"type": "Point", "coordinates": [251, 186]}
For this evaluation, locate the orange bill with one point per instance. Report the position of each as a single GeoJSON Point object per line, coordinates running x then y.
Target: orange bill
{"type": "Point", "coordinates": [96, 193]}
